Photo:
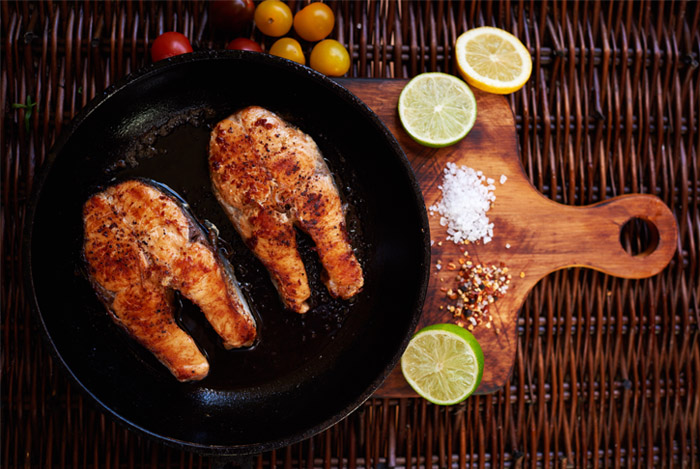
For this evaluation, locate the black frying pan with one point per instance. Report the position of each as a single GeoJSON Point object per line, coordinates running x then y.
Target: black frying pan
{"type": "Point", "coordinates": [306, 372]}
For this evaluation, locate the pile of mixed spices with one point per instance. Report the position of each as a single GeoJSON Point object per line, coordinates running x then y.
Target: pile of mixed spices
{"type": "Point", "coordinates": [477, 288]}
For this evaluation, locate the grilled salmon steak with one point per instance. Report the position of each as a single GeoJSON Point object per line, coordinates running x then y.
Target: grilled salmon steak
{"type": "Point", "coordinates": [140, 244]}
{"type": "Point", "coordinates": [269, 176]}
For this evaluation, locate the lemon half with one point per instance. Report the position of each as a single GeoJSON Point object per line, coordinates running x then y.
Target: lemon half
{"type": "Point", "coordinates": [493, 60]}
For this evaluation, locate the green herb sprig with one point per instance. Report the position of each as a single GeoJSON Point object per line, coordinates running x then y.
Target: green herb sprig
{"type": "Point", "coordinates": [28, 107]}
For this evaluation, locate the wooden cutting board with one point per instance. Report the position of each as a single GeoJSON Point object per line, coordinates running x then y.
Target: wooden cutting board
{"type": "Point", "coordinates": [532, 236]}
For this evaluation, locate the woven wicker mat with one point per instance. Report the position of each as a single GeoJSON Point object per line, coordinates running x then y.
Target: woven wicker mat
{"type": "Point", "coordinates": [606, 371]}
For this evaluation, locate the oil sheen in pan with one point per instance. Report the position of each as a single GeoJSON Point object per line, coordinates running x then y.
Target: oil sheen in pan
{"type": "Point", "coordinates": [176, 155]}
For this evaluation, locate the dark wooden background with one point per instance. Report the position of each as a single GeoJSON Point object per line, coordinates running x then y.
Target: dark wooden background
{"type": "Point", "coordinates": [606, 370]}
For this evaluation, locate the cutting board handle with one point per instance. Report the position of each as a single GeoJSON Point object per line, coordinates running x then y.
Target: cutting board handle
{"type": "Point", "coordinates": [598, 227]}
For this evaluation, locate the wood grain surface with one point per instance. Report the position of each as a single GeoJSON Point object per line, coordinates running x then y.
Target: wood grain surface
{"type": "Point", "coordinates": [533, 236]}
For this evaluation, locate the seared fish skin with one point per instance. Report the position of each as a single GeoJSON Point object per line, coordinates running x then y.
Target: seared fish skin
{"type": "Point", "coordinates": [139, 244]}
{"type": "Point", "coordinates": [269, 176]}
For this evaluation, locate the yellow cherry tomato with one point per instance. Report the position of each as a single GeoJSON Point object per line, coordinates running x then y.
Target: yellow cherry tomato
{"type": "Point", "coordinates": [273, 18]}
{"type": "Point", "coordinates": [314, 22]}
{"type": "Point", "coordinates": [330, 58]}
{"type": "Point", "coordinates": [288, 48]}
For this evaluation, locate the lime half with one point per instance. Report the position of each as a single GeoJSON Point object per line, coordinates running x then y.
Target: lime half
{"type": "Point", "coordinates": [443, 363]}
{"type": "Point", "coordinates": [437, 109]}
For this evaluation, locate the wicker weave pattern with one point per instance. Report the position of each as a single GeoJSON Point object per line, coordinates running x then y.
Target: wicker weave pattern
{"type": "Point", "coordinates": [607, 370]}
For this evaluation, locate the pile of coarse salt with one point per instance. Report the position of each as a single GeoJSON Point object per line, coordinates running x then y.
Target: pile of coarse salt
{"type": "Point", "coordinates": [466, 197]}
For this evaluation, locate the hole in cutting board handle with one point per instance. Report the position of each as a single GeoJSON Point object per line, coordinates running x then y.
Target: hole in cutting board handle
{"type": "Point", "coordinates": [639, 236]}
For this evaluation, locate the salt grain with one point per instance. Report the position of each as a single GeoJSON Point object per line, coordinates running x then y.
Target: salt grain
{"type": "Point", "coordinates": [503, 179]}
{"type": "Point", "coordinates": [466, 197]}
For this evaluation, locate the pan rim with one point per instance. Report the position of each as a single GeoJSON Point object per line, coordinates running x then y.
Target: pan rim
{"type": "Point", "coordinates": [144, 74]}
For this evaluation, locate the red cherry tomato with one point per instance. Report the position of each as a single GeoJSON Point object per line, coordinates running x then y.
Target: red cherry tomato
{"type": "Point", "coordinates": [170, 44]}
{"type": "Point", "coordinates": [232, 16]}
{"type": "Point", "coordinates": [243, 43]}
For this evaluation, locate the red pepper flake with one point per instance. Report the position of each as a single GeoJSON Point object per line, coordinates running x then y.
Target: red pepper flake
{"type": "Point", "coordinates": [477, 288]}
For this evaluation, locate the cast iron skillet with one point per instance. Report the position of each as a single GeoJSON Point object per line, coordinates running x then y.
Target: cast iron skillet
{"type": "Point", "coordinates": [306, 372]}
